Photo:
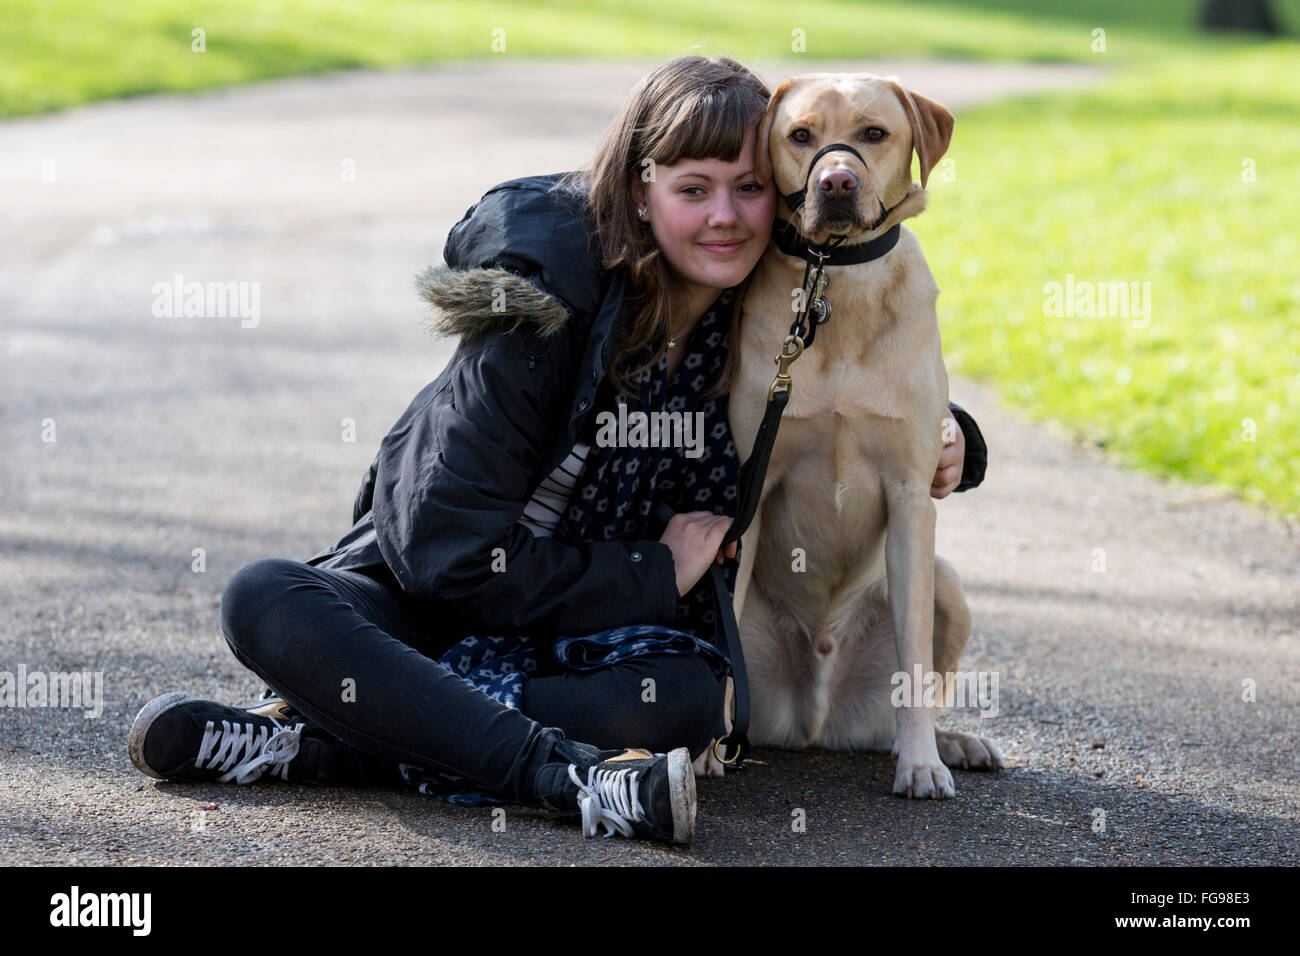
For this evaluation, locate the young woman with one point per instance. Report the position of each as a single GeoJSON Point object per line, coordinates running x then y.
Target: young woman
{"type": "Point", "coordinates": [502, 623]}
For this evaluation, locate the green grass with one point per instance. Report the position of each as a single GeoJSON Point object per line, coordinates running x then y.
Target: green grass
{"type": "Point", "coordinates": [1139, 181]}
{"type": "Point", "coordinates": [60, 53]}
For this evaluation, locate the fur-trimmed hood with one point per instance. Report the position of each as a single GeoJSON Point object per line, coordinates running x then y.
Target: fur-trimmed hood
{"type": "Point", "coordinates": [525, 253]}
{"type": "Point", "coordinates": [470, 302]}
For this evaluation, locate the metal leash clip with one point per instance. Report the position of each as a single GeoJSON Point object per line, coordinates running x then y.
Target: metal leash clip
{"type": "Point", "coordinates": [783, 362]}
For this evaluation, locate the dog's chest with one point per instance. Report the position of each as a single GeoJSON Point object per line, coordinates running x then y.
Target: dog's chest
{"type": "Point", "coordinates": [864, 414]}
{"type": "Point", "coordinates": [846, 430]}
{"type": "Point", "coordinates": [853, 427]}
{"type": "Point", "coordinates": [830, 505]}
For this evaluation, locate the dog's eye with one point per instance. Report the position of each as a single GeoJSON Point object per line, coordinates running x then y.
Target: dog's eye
{"type": "Point", "coordinates": [801, 136]}
{"type": "Point", "coordinates": [875, 134]}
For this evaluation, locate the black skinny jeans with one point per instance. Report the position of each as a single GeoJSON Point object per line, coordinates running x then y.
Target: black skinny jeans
{"type": "Point", "coordinates": [308, 631]}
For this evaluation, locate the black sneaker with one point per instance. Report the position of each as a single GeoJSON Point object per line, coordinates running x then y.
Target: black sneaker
{"type": "Point", "coordinates": [629, 792]}
{"type": "Point", "coordinates": [181, 737]}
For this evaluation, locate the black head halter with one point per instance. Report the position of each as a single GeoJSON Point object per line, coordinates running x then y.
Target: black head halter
{"type": "Point", "coordinates": [795, 199]}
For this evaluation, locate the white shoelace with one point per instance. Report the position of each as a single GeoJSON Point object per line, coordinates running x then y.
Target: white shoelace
{"type": "Point", "coordinates": [247, 751]}
{"type": "Point", "coordinates": [609, 798]}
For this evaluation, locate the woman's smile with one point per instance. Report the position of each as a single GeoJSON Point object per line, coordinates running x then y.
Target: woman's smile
{"type": "Point", "coordinates": [722, 248]}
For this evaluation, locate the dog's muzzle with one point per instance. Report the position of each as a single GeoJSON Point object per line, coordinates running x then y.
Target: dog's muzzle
{"type": "Point", "coordinates": [795, 200]}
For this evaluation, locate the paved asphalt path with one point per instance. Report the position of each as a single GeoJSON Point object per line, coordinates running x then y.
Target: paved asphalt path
{"type": "Point", "coordinates": [1120, 690]}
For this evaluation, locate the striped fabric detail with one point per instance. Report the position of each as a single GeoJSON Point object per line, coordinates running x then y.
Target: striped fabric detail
{"type": "Point", "coordinates": [542, 513]}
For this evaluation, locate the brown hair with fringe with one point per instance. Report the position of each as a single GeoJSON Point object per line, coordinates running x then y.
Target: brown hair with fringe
{"type": "Point", "coordinates": [692, 107]}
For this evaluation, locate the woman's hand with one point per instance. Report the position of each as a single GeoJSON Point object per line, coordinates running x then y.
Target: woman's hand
{"type": "Point", "coordinates": [951, 459]}
{"type": "Point", "coordinates": [694, 537]}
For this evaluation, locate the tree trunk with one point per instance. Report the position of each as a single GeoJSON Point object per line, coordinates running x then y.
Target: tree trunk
{"type": "Point", "coordinates": [1254, 16]}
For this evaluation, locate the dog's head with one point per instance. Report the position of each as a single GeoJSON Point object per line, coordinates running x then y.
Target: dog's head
{"type": "Point", "coordinates": [875, 115]}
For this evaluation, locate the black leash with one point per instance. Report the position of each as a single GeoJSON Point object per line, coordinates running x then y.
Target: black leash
{"type": "Point", "coordinates": [814, 310]}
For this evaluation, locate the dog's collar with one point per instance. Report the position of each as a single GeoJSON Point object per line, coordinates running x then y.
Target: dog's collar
{"type": "Point", "coordinates": [790, 241]}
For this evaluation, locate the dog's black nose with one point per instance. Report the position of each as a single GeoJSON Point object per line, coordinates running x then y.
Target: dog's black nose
{"type": "Point", "coordinates": [837, 182]}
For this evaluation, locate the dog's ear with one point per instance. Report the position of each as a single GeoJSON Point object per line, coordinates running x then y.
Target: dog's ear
{"type": "Point", "coordinates": [762, 151]}
{"type": "Point", "coordinates": [931, 127]}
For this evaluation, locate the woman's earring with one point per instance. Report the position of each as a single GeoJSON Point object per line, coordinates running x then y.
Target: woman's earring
{"type": "Point", "coordinates": [641, 213]}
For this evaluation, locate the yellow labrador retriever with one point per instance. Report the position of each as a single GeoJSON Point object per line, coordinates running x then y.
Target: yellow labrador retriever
{"type": "Point", "coordinates": [839, 587]}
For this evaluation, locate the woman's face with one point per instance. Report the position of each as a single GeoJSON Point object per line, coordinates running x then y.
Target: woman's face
{"type": "Point", "coordinates": [711, 219]}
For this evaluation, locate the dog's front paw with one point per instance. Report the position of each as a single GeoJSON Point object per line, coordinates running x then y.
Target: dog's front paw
{"type": "Point", "coordinates": [968, 751]}
{"type": "Point", "coordinates": [921, 780]}
{"type": "Point", "coordinates": [707, 765]}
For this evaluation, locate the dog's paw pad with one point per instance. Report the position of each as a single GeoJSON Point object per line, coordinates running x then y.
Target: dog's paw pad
{"type": "Point", "coordinates": [968, 751]}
